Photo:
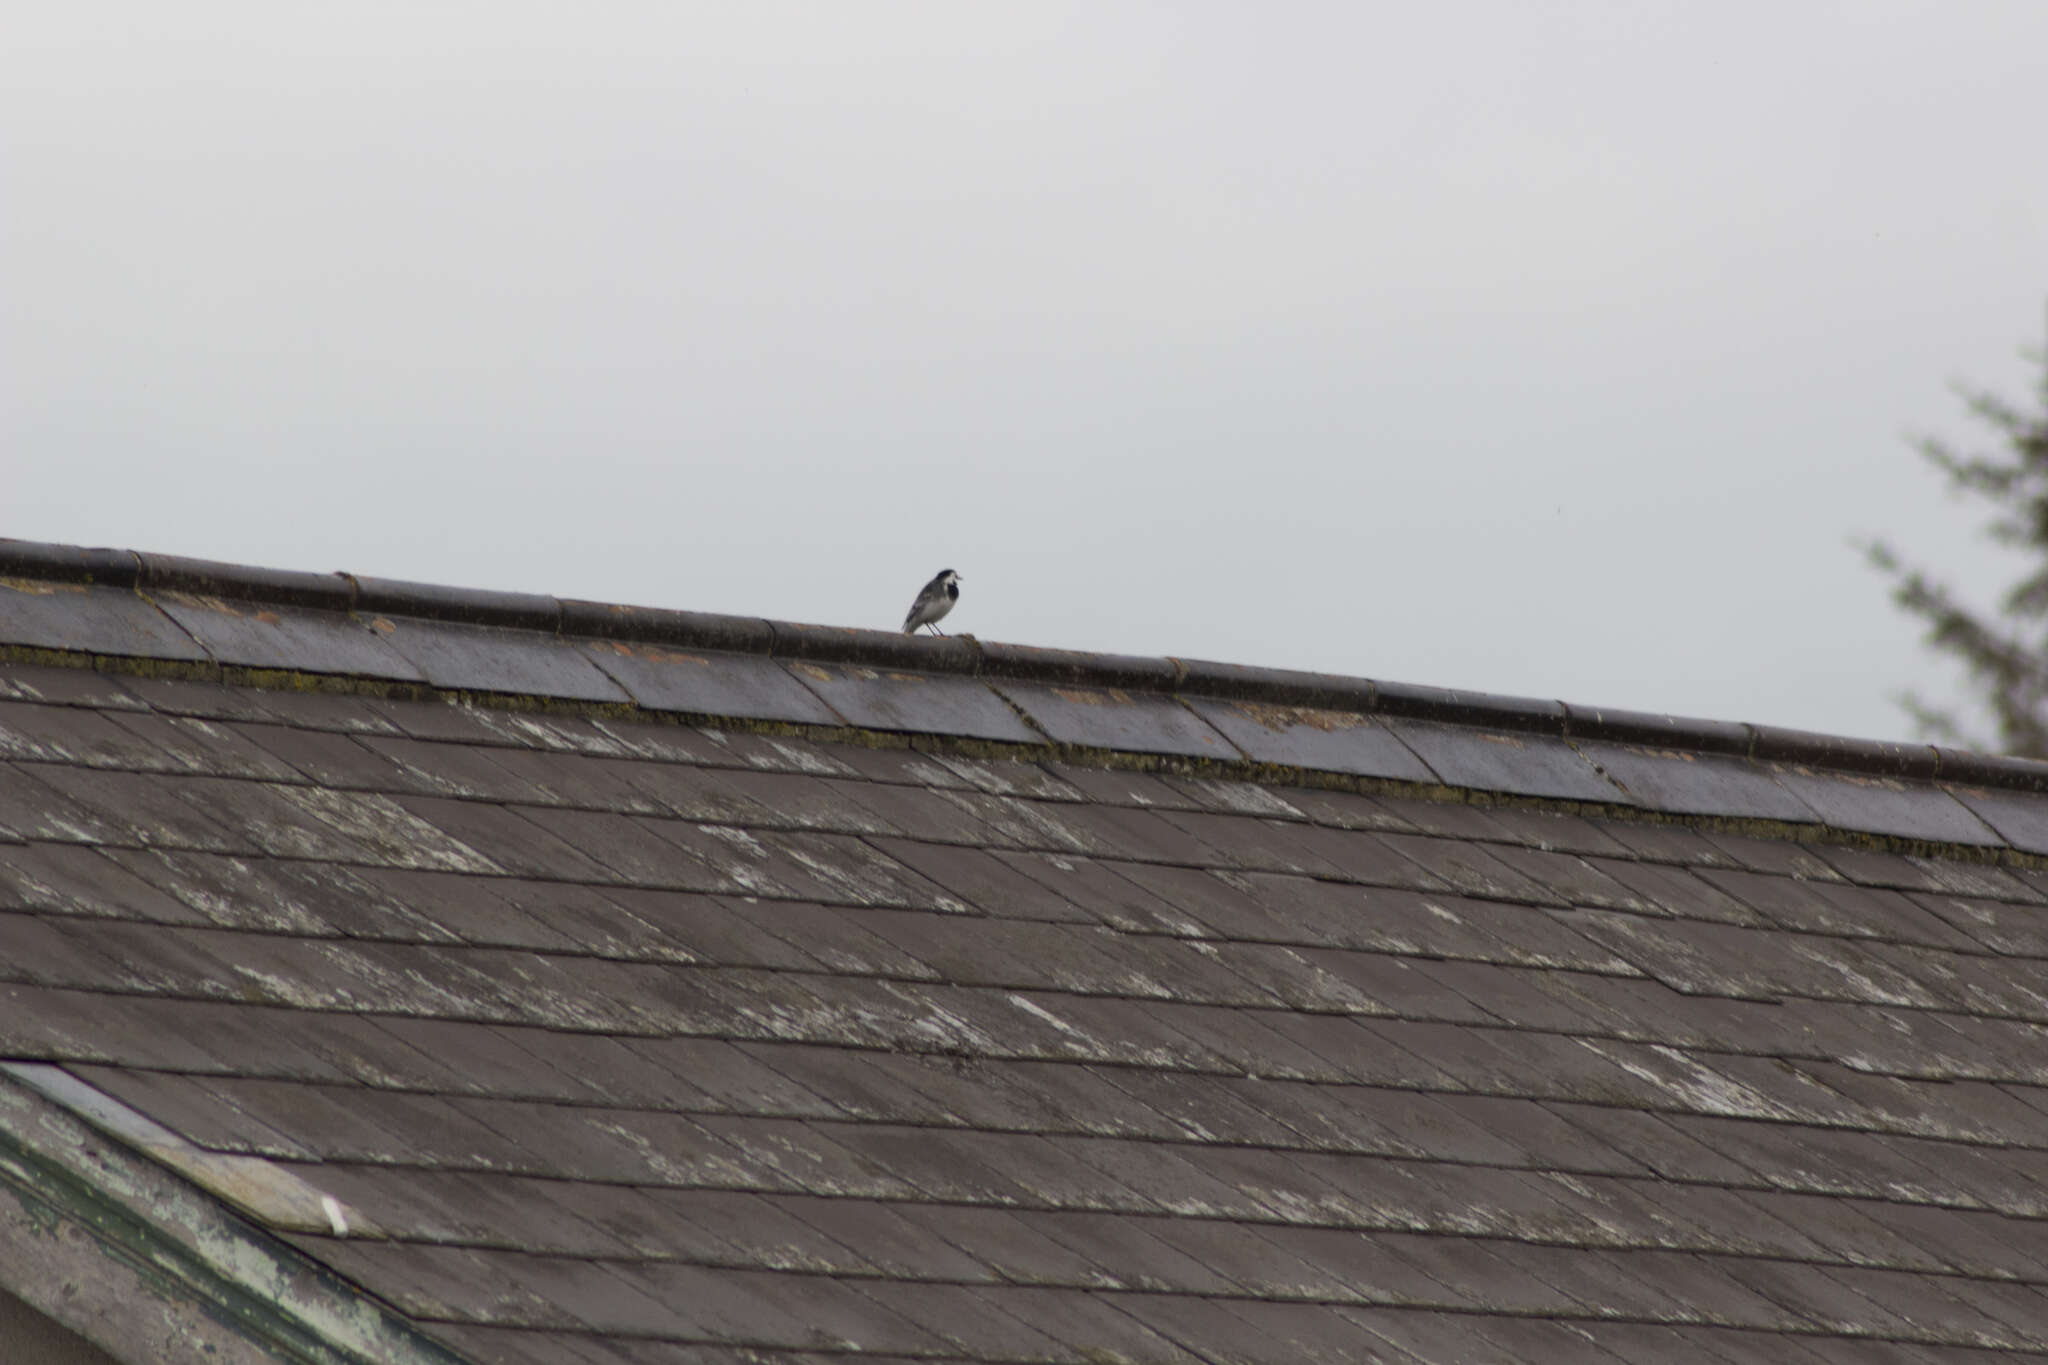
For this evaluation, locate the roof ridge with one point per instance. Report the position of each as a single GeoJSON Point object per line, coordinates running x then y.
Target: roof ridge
{"type": "Point", "coordinates": [968, 656]}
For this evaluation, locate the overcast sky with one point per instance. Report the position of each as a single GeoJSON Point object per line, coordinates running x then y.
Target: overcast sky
{"type": "Point", "coordinates": [1552, 349]}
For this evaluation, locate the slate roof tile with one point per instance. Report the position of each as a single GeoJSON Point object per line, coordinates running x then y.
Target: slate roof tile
{"type": "Point", "coordinates": [1124, 1252]}
{"type": "Point", "coordinates": [1008, 822]}
{"type": "Point", "coordinates": [1827, 908]}
{"type": "Point", "coordinates": [1799, 860]}
{"type": "Point", "coordinates": [1094, 1323]}
{"type": "Point", "coordinates": [1698, 959]}
{"type": "Point", "coordinates": [1701, 784]}
{"type": "Point", "coordinates": [71, 879]}
{"type": "Point", "coordinates": [1222, 797]}
{"type": "Point", "coordinates": [270, 819]}
{"type": "Point", "coordinates": [479, 1209]}
{"type": "Point", "coordinates": [1112, 718]}
{"type": "Point", "coordinates": [848, 870]}
{"type": "Point", "coordinates": [895, 700]}
{"type": "Point", "coordinates": [1340, 741]}
{"type": "Point", "coordinates": [394, 836]}
{"type": "Point", "coordinates": [232, 893]}
{"type": "Point", "coordinates": [1669, 844]}
{"type": "Point", "coordinates": [2019, 821]}
{"type": "Point", "coordinates": [1133, 835]}
{"type": "Point", "coordinates": [2003, 1180]}
{"type": "Point", "coordinates": [1479, 1272]}
{"type": "Point", "coordinates": [708, 683]}
{"type": "Point", "coordinates": [474, 910]}
{"type": "Point", "coordinates": [491, 658]}
{"type": "Point", "coordinates": [1572, 880]}
{"type": "Point", "coordinates": [1354, 856]}
{"type": "Point", "coordinates": [1249, 844]}
{"type": "Point", "coordinates": [1301, 911]}
{"type": "Point", "coordinates": [2019, 930]}
{"type": "Point", "coordinates": [1470, 869]}
{"type": "Point", "coordinates": [1200, 904]}
{"type": "Point", "coordinates": [1329, 1048]}
{"type": "Point", "coordinates": [732, 1077]}
{"type": "Point", "coordinates": [1520, 997]}
{"type": "Point", "coordinates": [193, 744]}
{"type": "Point", "coordinates": [1004, 1243]}
{"type": "Point", "coordinates": [44, 951]}
{"type": "Point", "coordinates": [970, 1321]}
{"type": "Point", "coordinates": [1339, 809]}
{"type": "Point", "coordinates": [73, 687]}
{"type": "Point", "coordinates": [1103, 891]}
{"type": "Point", "coordinates": [612, 923]}
{"type": "Point", "coordinates": [1685, 893]}
{"type": "Point", "coordinates": [335, 712]}
{"type": "Point", "coordinates": [1328, 980]}
{"type": "Point", "coordinates": [524, 848]}
{"type": "Point", "coordinates": [1526, 764]}
{"type": "Point", "coordinates": [983, 952]}
{"type": "Point", "coordinates": [981, 880]}
{"type": "Point", "coordinates": [71, 734]}
{"type": "Point", "coordinates": [1884, 806]}
{"type": "Point", "coordinates": [1531, 936]}
{"type": "Point", "coordinates": [1224, 1333]}
{"type": "Point", "coordinates": [121, 809]}
{"type": "Point", "coordinates": [336, 759]}
{"type": "Point", "coordinates": [189, 1107]}
{"type": "Point", "coordinates": [90, 619]}
{"type": "Point", "coordinates": [797, 935]}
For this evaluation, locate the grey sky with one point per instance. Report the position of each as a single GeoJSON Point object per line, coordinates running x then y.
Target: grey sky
{"type": "Point", "coordinates": [1552, 349]}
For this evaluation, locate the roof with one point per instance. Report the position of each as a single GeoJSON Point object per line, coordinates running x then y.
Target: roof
{"type": "Point", "coordinates": [399, 973]}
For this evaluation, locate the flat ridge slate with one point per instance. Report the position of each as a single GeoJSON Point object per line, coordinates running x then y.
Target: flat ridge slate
{"type": "Point", "coordinates": [1309, 737]}
{"type": "Point", "coordinates": [310, 640]}
{"type": "Point", "coordinates": [536, 647]}
{"type": "Point", "coordinates": [619, 1041]}
{"type": "Point", "coordinates": [1112, 718]}
{"type": "Point", "coordinates": [90, 619]}
{"type": "Point", "coordinates": [708, 682]}
{"type": "Point", "coordinates": [916, 703]}
{"type": "Point", "coordinates": [496, 659]}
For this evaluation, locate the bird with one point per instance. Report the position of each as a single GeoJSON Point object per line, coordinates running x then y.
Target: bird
{"type": "Point", "coordinates": [933, 602]}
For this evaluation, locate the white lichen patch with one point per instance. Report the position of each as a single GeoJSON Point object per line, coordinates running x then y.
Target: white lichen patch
{"type": "Point", "coordinates": [1246, 798]}
{"type": "Point", "coordinates": [1698, 1087]}
{"type": "Point", "coordinates": [806, 759]}
{"type": "Point", "coordinates": [1039, 1012]}
{"type": "Point", "coordinates": [395, 834]}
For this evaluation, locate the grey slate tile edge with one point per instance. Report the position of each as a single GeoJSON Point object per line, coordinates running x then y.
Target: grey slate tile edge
{"type": "Point", "coordinates": [967, 656]}
{"type": "Point", "coordinates": [1023, 717]}
{"type": "Point", "coordinates": [1231, 748]}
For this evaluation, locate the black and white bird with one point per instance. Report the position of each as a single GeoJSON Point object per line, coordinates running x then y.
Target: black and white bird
{"type": "Point", "coordinates": [933, 603]}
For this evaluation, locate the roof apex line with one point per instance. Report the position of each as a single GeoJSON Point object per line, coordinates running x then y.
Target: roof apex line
{"type": "Point", "coordinates": [69, 563]}
{"type": "Point", "coordinates": [968, 656]}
